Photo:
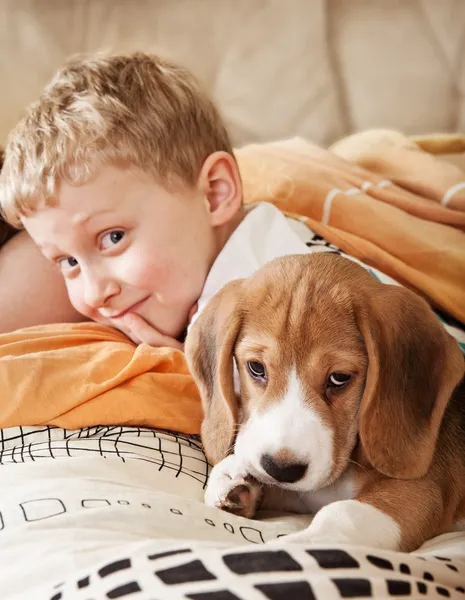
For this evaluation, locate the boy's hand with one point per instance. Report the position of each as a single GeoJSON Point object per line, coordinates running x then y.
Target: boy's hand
{"type": "Point", "coordinates": [139, 331]}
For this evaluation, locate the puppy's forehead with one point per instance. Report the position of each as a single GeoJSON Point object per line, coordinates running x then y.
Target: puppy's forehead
{"type": "Point", "coordinates": [304, 302]}
{"type": "Point", "coordinates": [320, 284]}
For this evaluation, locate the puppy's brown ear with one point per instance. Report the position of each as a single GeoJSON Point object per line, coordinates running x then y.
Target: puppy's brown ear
{"type": "Point", "coordinates": [413, 367]}
{"type": "Point", "coordinates": [209, 352]}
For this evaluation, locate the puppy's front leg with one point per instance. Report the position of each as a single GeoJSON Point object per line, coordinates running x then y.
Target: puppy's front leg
{"type": "Point", "coordinates": [391, 514]}
{"type": "Point", "coordinates": [232, 489]}
{"type": "Point", "coordinates": [350, 522]}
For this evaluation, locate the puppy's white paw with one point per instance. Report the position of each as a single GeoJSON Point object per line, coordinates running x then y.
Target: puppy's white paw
{"type": "Point", "coordinates": [243, 499]}
{"type": "Point", "coordinates": [349, 522]}
{"type": "Point", "coordinates": [232, 489]}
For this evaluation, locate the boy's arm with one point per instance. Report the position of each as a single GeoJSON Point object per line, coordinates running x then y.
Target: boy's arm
{"type": "Point", "coordinates": [32, 292]}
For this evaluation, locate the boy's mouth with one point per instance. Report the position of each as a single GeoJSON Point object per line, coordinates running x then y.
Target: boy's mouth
{"type": "Point", "coordinates": [131, 308]}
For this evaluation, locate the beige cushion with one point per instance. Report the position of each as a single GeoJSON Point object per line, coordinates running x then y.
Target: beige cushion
{"type": "Point", "coordinates": [314, 68]}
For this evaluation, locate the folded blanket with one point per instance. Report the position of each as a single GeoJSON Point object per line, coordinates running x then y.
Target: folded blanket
{"type": "Point", "coordinates": [390, 154]}
{"type": "Point", "coordinates": [85, 374]}
{"type": "Point", "coordinates": [404, 229]}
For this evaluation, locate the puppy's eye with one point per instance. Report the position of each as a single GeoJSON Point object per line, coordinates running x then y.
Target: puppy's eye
{"type": "Point", "coordinates": [256, 370]}
{"type": "Point", "coordinates": [338, 380]}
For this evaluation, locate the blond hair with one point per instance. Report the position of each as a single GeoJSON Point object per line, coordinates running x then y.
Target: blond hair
{"type": "Point", "coordinates": [138, 109]}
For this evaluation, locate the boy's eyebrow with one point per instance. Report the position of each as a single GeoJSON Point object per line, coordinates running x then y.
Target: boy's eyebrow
{"type": "Point", "coordinates": [83, 218]}
{"type": "Point", "coordinates": [46, 246]}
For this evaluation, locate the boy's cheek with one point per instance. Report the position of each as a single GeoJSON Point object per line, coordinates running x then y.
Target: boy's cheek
{"type": "Point", "coordinates": [148, 276]}
{"type": "Point", "coordinates": [166, 276]}
{"type": "Point", "coordinates": [78, 303]}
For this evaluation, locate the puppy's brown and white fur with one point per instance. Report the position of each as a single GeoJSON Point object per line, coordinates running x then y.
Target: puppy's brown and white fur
{"type": "Point", "coordinates": [349, 402]}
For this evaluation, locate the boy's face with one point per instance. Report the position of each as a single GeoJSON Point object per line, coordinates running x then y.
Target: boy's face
{"type": "Point", "coordinates": [125, 244]}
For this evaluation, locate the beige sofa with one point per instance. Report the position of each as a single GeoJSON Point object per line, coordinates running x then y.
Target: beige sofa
{"type": "Point", "coordinates": [277, 68]}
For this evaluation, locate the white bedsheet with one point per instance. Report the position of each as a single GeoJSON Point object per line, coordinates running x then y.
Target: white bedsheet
{"type": "Point", "coordinates": [72, 501]}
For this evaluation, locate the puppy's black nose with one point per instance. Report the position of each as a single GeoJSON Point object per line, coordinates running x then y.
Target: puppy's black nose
{"type": "Point", "coordinates": [283, 472]}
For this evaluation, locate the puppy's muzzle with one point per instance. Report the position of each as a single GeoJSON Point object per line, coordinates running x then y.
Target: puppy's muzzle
{"type": "Point", "coordinates": [284, 472]}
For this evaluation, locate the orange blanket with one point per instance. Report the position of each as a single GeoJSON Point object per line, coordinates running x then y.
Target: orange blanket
{"type": "Point", "coordinates": [85, 374]}
{"type": "Point", "coordinates": [404, 233]}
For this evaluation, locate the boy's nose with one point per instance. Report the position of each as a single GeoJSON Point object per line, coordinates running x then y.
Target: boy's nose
{"type": "Point", "coordinates": [99, 290]}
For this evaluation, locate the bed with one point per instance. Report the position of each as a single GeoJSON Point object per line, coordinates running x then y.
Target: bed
{"type": "Point", "coordinates": [117, 512]}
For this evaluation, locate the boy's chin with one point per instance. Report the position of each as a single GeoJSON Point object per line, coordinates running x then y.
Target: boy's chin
{"type": "Point", "coordinates": [182, 336]}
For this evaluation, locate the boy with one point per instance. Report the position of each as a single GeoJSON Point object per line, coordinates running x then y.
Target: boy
{"type": "Point", "coordinates": [124, 177]}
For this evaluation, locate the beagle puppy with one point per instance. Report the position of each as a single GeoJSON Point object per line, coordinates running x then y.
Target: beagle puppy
{"type": "Point", "coordinates": [348, 402]}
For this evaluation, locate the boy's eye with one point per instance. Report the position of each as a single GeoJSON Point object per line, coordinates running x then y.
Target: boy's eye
{"type": "Point", "coordinates": [112, 238]}
{"type": "Point", "coordinates": [68, 263]}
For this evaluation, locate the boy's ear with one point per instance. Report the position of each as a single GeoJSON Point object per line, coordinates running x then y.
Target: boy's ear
{"type": "Point", "coordinates": [221, 185]}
